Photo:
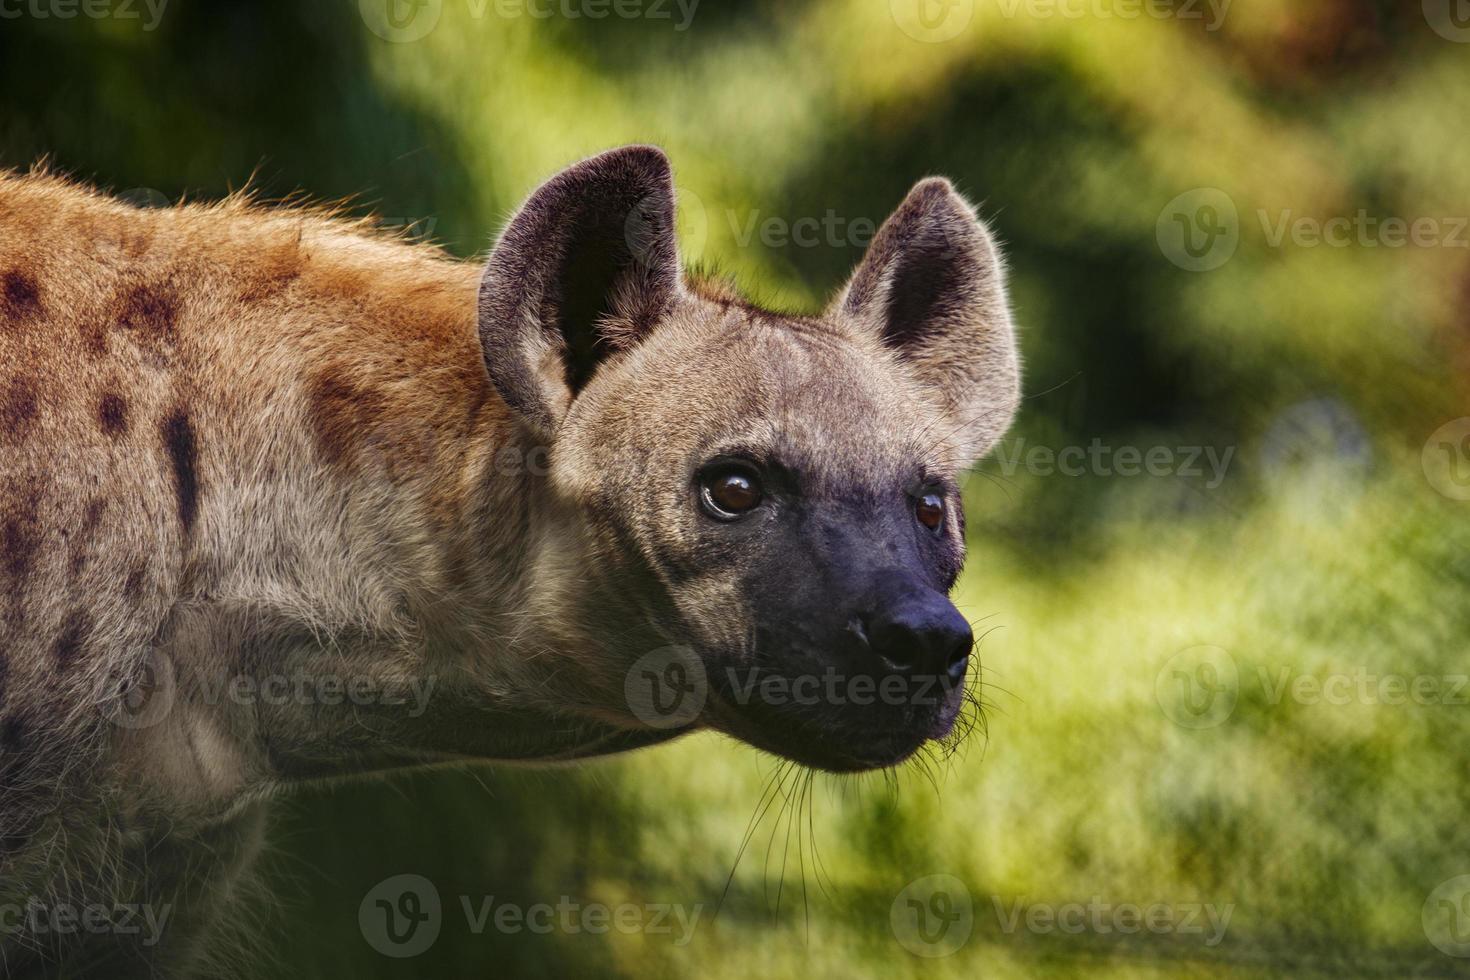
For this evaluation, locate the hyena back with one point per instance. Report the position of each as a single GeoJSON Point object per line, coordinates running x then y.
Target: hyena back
{"type": "Point", "coordinates": [243, 444]}
{"type": "Point", "coordinates": [188, 399]}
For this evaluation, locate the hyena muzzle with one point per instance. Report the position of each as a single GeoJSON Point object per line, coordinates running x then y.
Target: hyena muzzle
{"type": "Point", "coordinates": [284, 498]}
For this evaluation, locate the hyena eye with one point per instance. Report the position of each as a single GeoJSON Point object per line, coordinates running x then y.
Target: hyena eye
{"type": "Point", "coordinates": [730, 491]}
{"type": "Point", "coordinates": [929, 509]}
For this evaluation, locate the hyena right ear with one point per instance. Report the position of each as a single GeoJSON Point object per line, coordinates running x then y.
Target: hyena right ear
{"type": "Point", "coordinates": [585, 269]}
{"type": "Point", "coordinates": [932, 289]}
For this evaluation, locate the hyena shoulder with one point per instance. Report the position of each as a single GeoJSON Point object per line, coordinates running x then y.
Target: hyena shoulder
{"type": "Point", "coordinates": [187, 397]}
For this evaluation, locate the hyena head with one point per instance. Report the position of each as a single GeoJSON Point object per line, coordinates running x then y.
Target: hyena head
{"type": "Point", "coordinates": [773, 498]}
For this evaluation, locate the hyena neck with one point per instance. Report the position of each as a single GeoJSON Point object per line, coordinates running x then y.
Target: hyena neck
{"type": "Point", "coordinates": [396, 608]}
{"type": "Point", "coordinates": [479, 665]}
{"type": "Point", "coordinates": [452, 660]}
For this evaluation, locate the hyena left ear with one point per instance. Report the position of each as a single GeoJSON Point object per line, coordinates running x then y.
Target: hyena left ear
{"type": "Point", "coordinates": [585, 268]}
{"type": "Point", "coordinates": [932, 287]}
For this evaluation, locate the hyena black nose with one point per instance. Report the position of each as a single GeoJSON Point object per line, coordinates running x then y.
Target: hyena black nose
{"type": "Point", "coordinates": [922, 634]}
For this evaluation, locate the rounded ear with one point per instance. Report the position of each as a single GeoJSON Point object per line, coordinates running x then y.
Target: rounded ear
{"type": "Point", "coordinates": [932, 288]}
{"type": "Point", "coordinates": [585, 268]}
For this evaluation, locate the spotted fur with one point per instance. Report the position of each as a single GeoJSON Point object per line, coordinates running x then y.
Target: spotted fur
{"type": "Point", "coordinates": [238, 440]}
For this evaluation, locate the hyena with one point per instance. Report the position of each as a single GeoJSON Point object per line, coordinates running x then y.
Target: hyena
{"type": "Point", "coordinates": [459, 506]}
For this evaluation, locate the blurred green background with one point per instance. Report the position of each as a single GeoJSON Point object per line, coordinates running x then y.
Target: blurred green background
{"type": "Point", "coordinates": [1154, 739]}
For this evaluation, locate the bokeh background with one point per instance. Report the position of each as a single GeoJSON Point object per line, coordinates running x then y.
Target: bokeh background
{"type": "Point", "coordinates": [1154, 739]}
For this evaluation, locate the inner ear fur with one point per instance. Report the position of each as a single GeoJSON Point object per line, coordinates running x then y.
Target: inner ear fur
{"type": "Point", "coordinates": [585, 268]}
{"type": "Point", "coordinates": [932, 289]}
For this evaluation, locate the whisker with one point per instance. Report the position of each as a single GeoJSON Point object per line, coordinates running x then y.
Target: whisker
{"type": "Point", "coordinates": [770, 846]}
{"type": "Point", "coordinates": [763, 804]}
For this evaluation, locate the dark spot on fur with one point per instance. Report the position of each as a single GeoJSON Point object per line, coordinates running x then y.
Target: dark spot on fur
{"type": "Point", "coordinates": [94, 337]}
{"type": "Point", "coordinates": [183, 453]}
{"type": "Point", "coordinates": [20, 298]}
{"type": "Point", "coordinates": [149, 310]}
{"type": "Point", "coordinates": [74, 635]}
{"type": "Point", "coordinates": [341, 413]}
{"type": "Point", "coordinates": [85, 534]}
{"type": "Point", "coordinates": [13, 734]}
{"type": "Point", "coordinates": [14, 743]}
{"type": "Point", "coordinates": [18, 410]}
{"type": "Point", "coordinates": [148, 316]}
{"type": "Point", "coordinates": [133, 585]}
{"type": "Point", "coordinates": [12, 842]}
{"type": "Point", "coordinates": [19, 539]}
{"type": "Point", "coordinates": [273, 272]}
{"type": "Point", "coordinates": [112, 414]}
